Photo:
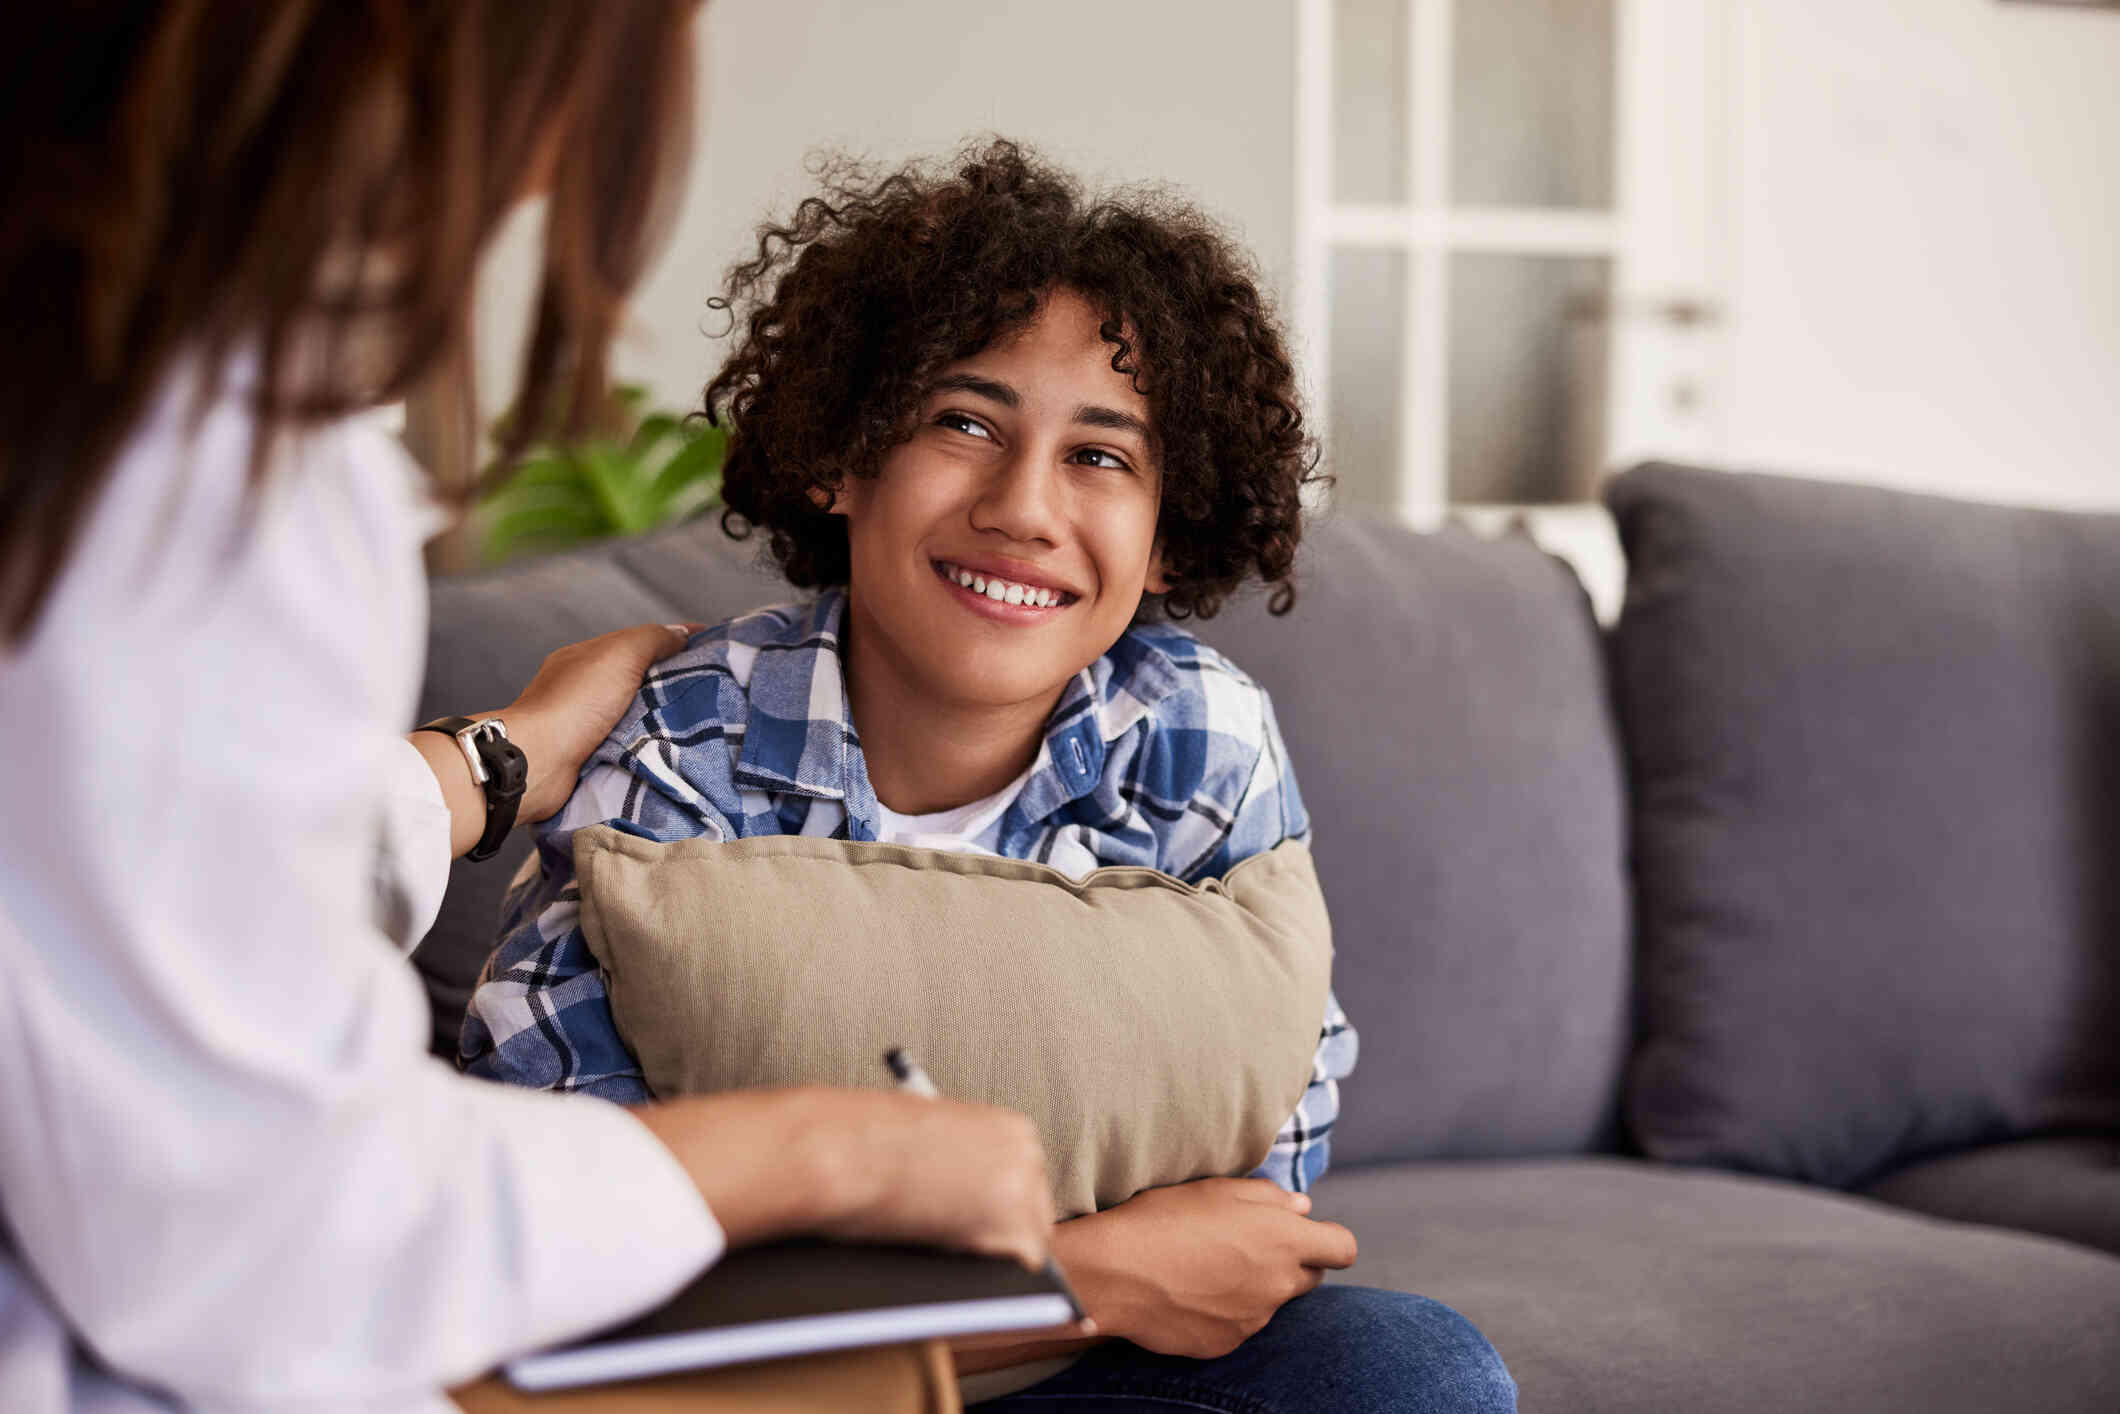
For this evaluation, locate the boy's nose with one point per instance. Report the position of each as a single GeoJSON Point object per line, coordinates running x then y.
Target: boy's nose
{"type": "Point", "coordinates": [1021, 500]}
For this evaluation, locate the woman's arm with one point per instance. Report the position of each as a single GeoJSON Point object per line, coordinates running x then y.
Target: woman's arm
{"type": "Point", "coordinates": [211, 1076]}
{"type": "Point", "coordinates": [864, 1165]}
{"type": "Point", "coordinates": [578, 695]}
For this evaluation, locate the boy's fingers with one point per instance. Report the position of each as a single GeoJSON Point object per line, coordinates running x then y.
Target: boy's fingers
{"type": "Point", "coordinates": [1330, 1245]}
{"type": "Point", "coordinates": [1262, 1190]}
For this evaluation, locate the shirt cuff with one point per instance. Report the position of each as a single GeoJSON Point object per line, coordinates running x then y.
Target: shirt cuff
{"type": "Point", "coordinates": [415, 856]}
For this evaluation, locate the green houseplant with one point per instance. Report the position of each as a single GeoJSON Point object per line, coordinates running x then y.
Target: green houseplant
{"type": "Point", "coordinates": [656, 469]}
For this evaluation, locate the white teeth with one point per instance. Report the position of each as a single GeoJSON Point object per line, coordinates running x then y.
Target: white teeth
{"type": "Point", "coordinates": [1001, 591]}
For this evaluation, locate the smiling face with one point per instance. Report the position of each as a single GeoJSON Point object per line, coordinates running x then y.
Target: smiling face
{"type": "Point", "coordinates": [1006, 546]}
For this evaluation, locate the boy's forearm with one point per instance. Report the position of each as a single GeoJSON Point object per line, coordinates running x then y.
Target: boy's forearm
{"type": "Point", "coordinates": [1079, 1253]}
{"type": "Point", "coordinates": [974, 1358]}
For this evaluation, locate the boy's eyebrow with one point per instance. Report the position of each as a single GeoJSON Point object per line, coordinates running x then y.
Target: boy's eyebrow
{"type": "Point", "coordinates": [1091, 415]}
{"type": "Point", "coordinates": [1088, 415]}
{"type": "Point", "coordinates": [988, 388]}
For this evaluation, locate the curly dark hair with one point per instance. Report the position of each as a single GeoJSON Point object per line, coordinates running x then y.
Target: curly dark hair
{"type": "Point", "coordinates": [851, 308]}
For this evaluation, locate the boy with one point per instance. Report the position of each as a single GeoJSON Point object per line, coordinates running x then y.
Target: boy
{"type": "Point", "coordinates": [990, 421]}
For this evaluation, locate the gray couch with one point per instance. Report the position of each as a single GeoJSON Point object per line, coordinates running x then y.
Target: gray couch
{"type": "Point", "coordinates": [1739, 991]}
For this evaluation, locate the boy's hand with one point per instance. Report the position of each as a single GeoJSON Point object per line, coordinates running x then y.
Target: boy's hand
{"type": "Point", "coordinates": [1195, 1269]}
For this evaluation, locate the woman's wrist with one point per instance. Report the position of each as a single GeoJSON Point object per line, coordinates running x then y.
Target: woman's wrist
{"type": "Point", "coordinates": [466, 799]}
{"type": "Point", "coordinates": [551, 778]}
{"type": "Point", "coordinates": [769, 1163]}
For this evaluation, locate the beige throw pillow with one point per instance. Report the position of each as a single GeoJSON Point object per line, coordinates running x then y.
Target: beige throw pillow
{"type": "Point", "coordinates": [1155, 1031]}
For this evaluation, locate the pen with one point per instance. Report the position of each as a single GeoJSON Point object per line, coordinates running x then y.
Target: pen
{"type": "Point", "coordinates": [911, 1078]}
{"type": "Point", "coordinates": [914, 1081]}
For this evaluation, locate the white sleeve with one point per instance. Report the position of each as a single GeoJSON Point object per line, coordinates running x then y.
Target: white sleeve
{"type": "Point", "coordinates": [412, 872]}
{"type": "Point", "coordinates": [223, 1149]}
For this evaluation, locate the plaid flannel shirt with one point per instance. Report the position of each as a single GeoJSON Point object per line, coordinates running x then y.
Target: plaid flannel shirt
{"type": "Point", "coordinates": [1159, 754]}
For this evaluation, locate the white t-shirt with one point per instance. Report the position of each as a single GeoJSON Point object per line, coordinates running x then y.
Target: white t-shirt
{"type": "Point", "coordinates": [967, 829]}
{"type": "Point", "coordinates": [229, 1167]}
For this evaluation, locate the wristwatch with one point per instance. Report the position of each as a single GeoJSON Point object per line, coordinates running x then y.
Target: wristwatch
{"type": "Point", "coordinates": [499, 767]}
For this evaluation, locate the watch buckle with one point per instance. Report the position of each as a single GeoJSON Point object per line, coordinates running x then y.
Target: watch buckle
{"type": "Point", "coordinates": [467, 741]}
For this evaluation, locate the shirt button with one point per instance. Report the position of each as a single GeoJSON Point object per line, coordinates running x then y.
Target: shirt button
{"type": "Point", "coordinates": [1074, 744]}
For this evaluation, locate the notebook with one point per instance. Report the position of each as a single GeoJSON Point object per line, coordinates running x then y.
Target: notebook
{"type": "Point", "coordinates": [800, 1297]}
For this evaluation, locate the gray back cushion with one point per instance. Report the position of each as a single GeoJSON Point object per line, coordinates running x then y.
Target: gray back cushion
{"type": "Point", "coordinates": [1875, 746]}
{"type": "Point", "coordinates": [2065, 1185]}
{"type": "Point", "coordinates": [1444, 700]}
{"type": "Point", "coordinates": [1445, 706]}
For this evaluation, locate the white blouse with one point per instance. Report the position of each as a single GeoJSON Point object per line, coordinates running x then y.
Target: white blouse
{"type": "Point", "coordinates": [231, 1175]}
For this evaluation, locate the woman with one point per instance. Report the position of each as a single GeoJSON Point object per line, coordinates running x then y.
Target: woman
{"type": "Point", "coordinates": [230, 1176]}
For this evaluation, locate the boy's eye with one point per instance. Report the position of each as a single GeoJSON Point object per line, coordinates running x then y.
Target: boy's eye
{"type": "Point", "coordinates": [965, 423]}
{"type": "Point", "coordinates": [1102, 458]}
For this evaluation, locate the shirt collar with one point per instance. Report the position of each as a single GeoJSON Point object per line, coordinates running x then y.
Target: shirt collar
{"type": "Point", "coordinates": [799, 732]}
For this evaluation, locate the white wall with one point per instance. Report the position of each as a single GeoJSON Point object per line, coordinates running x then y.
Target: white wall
{"type": "Point", "coordinates": [1194, 92]}
{"type": "Point", "coordinates": [1923, 199]}
{"type": "Point", "coordinates": [1926, 278]}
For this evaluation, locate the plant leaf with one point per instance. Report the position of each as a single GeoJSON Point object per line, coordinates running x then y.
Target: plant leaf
{"type": "Point", "coordinates": [698, 462]}
{"type": "Point", "coordinates": [605, 477]}
{"type": "Point", "coordinates": [543, 491]}
{"type": "Point", "coordinates": [543, 527]}
{"type": "Point", "coordinates": [652, 430]}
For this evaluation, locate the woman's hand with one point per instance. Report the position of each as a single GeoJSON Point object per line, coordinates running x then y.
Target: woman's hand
{"type": "Point", "coordinates": [867, 1165]}
{"type": "Point", "coordinates": [1194, 1269]}
{"type": "Point", "coordinates": [578, 695]}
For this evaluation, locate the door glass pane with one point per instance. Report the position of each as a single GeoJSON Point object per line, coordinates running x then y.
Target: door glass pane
{"type": "Point", "coordinates": [1369, 101]}
{"type": "Point", "coordinates": [1367, 355]}
{"type": "Point", "coordinates": [1531, 93]}
{"type": "Point", "coordinates": [1527, 376]}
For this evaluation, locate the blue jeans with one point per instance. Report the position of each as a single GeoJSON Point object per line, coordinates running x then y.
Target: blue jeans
{"type": "Point", "coordinates": [1337, 1350]}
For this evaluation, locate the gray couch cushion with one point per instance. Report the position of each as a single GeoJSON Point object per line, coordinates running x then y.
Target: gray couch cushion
{"type": "Point", "coordinates": [1615, 1285]}
{"type": "Point", "coordinates": [1875, 750]}
{"type": "Point", "coordinates": [1444, 702]}
{"type": "Point", "coordinates": [487, 633]}
{"type": "Point", "coordinates": [2069, 1187]}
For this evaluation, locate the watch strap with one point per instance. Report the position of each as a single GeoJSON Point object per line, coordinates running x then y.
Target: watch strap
{"type": "Point", "coordinates": [499, 768]}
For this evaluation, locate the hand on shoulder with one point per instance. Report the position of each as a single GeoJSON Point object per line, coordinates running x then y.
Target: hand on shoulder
{"type": "Point", "coordinates": [577, 696]}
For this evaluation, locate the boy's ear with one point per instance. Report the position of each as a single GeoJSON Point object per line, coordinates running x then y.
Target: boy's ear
{"type": "Point", "coordinates": [1157, 582]}
{"type": "Point", "coordinates": [831, 500]}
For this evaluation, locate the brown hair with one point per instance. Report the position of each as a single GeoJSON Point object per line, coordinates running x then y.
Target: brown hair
{"type": "Point", "coordinates": [203, 174]}
{"type": "Point", "coordinates": [854, 304]}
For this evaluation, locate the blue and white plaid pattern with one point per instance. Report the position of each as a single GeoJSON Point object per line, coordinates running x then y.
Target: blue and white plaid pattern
{"type": "Point", "coordinates": [1160, 754]}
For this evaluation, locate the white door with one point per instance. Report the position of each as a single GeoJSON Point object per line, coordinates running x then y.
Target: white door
{"type": "Point", "coordinates": [1509, 245]}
